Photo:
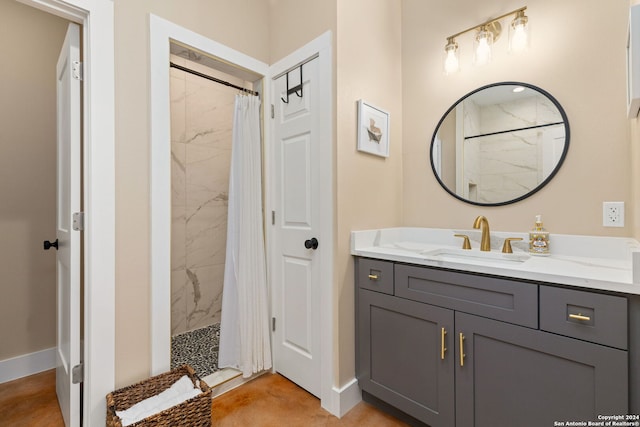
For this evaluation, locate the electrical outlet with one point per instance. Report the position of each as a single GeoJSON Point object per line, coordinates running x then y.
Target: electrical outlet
{"type": "Point", "coordinates": [613, 214]}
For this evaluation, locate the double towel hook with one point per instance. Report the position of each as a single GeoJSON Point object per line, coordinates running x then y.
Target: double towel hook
{"type": "Point", "coordinates": [297, 89]}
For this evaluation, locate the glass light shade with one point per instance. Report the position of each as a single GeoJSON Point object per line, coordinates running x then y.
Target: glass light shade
{"type": "Point", "coordinates": [451, 58]}
{"type": "Point", "coordinates": [519, 34]}
{"type": "Point", "coordinates": [482, 47]}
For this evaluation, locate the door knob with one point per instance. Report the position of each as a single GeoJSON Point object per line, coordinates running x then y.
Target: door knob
{"type": "Point", "coordinates": [48, 245]}
{"type": "Point", "coordinates": [311, 243]}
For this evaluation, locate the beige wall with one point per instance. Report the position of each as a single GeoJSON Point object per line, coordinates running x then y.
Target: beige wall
{"type": "Point", "coordinates": [634, 143]}
{"type": "Point", "coordinates": [389, 53]}
{"type": "Point", "coordinates": [240, 25]}
{"type": "Point", "coordinates": [635, 177]}
{"type": "Point", "coordinates": [288, 30]}
{"type": "Point", "coordinates": [31, 43]}
{"type": "Point", "coordinates": [584, 69]}
{"type": "Point", "coordinates": [369, 189]}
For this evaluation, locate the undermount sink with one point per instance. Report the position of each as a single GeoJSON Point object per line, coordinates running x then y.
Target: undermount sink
{"type": "Point", "coordinates": [452, 254]}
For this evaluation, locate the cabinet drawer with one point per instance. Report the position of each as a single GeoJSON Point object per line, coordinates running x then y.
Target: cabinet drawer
{"type": "Point", "coordinates": [501, 299]}
{"type": "Point", "coordinates": [584, 315]}
{"type": "Point", "coordinates": [375, 275]}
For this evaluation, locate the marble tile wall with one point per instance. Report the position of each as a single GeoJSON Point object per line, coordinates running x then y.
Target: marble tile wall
{"type": "Point", "coordinates": [201, 134]}
{"type": "Point", "coordinates": [508, 165]}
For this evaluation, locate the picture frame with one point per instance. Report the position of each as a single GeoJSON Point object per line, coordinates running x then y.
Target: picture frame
{"type": "Point", "coordinates": [373, 129]}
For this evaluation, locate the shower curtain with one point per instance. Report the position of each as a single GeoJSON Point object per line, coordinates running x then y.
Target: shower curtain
{"type": "Point", "coordinates": [244, 327]}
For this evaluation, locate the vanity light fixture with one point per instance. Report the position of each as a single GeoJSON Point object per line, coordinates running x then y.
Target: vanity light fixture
{"type": "Point", "coordinates": [486, 34]}
{"type": "Point", "coordinates": [452, 59]}
{"type": "Point", "coordinates": [482, 46]}
{"type": "Point", "coordinates": [519, 33]}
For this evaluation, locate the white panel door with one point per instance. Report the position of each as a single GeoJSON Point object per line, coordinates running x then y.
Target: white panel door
{"type": "Point", "coordinates": [68, 202]}
{"type": "Point", "coordinates": [296, 268]}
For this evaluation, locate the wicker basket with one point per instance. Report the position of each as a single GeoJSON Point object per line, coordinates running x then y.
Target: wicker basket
{"type": "Point", "coordinates": [193, 412]}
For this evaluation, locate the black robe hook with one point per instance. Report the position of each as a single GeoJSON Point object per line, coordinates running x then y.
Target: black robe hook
{"type": "Point", "coordinates": [297, 89]}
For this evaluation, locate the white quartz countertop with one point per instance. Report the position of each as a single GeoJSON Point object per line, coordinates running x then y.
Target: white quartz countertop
{"type": "Point", "coordinates": [591, 262]}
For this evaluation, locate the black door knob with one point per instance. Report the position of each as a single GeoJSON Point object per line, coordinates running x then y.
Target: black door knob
{"type": "Point", "coordinates": [48, 245]}
{"type": "Point", "coordinates": [311, 243]}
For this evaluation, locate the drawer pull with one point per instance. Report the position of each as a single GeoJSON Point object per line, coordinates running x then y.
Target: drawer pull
{"type": "Point", "coordinates": [579, 316]}
{"type": "Point", "coordinates": [462, 355]}
{"type": "Point", "coordinates": [373, 277]}
{"type": "Point", "coordinates": [443, 349]}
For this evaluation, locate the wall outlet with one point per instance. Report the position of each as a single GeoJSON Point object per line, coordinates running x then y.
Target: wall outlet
{"type": "Point", "coordinates": [613, 214]}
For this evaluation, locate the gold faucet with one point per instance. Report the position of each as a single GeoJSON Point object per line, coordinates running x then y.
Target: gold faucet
{"type": "Point", "coordinates": [485, 242]}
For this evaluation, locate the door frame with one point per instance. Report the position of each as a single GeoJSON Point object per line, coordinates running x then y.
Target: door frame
{"type": "Point", "coordinates": [98, 136]}
{"type": "Point", "coordinates": [161, 34]}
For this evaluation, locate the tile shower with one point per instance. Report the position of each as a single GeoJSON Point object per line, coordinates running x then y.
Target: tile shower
{"type": "Point", "coordinates": [511, 161]}
{"type": "Point", "coordinates": [201, 135]}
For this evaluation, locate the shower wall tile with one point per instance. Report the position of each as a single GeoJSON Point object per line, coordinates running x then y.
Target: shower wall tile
{"type": "Point", "coordinates": [178, 238]}
{"type": "Point", "coordinates": [177, 98]}
{"type": "Point", "coordinates": [179, 287]}
{"type": "Point", "coordinates": [204, 296]}
{"type": "Point", "coordinates": [206, 236]}
{"type": "Point", "coordinates": [178, 174]}
{"type": "Point", "coordinates": [209, 112]}
{"type": "Point", "coordinates": [201, 133]}
{"type": "Point", "coordinates": [207, 177]}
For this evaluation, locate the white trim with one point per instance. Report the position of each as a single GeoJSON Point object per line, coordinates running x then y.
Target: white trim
{"type": "Point", "coordinates": [96, 17]}
{"type": "Point", "coordinates": [27, 364]}
{"type": "Point", "coordinates": [346, 397]}
{"type": "Point", "coordinates": [161, 33]}
{"type": "Point", "coordinates": [321, 46]}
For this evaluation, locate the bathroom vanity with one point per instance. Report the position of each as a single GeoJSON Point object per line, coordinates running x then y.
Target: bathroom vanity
{"type": "Point", "coordinates": [485, 340]}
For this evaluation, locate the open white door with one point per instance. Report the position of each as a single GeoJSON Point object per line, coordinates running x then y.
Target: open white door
{"type": "Point", "coordinates": [295, 262]}
{"type": "Point", "coordinates": [68, 200]}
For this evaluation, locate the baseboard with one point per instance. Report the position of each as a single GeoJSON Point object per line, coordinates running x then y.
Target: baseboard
{"type": "Point", "coordinates": [27, 364]}
{"type": "Point", "coordinates": [344, 398]}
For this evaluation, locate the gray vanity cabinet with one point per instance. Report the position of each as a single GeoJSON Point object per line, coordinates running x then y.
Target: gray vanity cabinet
{"type": "Point", "coordinates": [457, 349]}
{"type": "Point", "coordinates": [405, 358]}
{"type": "Point", "coordinates": [519, 376]}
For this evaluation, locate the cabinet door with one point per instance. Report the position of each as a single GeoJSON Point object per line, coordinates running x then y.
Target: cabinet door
{"type": "Point", "coordinates": [518, 376]}
{"type": "Point", "coordinates": [401, 356]}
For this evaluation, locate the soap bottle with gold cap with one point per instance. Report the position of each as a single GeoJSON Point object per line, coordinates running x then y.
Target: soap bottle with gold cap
{"type": "Point", "coordinates": [539, 239]}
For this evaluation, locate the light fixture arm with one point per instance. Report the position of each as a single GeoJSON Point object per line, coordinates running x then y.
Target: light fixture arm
{"type": "Point", "coordinates": [487, 23]}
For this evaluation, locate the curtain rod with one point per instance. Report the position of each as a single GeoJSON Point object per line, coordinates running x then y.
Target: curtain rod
{"type": "Point", "coordinates": [204, 76]}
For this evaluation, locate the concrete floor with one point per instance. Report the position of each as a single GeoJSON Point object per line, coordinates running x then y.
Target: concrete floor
{"type": "Point", "coordinates": [270, 400]}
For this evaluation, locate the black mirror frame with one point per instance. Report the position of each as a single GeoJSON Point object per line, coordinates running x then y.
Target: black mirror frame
{"type": "Point", "coordinates": [539, 186]}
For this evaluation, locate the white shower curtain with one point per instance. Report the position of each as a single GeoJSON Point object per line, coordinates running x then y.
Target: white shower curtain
{"type": "Point", "coordinates": [244, 327]}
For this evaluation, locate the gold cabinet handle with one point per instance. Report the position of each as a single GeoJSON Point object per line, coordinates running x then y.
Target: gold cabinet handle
{"type": "Point", "coordinates": [579, 316]}
{"type": "Point", "coordinates": [462, 355]}
{"type": "Point", "coordinates": [443, 349]}
{"type": "Point", "coordinates": [373, 277]}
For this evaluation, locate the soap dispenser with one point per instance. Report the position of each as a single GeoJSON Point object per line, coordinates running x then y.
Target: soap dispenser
{"type": "Point", "coordinates": [538, 239]}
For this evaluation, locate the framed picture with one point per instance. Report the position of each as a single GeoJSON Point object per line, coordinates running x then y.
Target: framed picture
{"type": "Point", "coordinates": [373, 129]}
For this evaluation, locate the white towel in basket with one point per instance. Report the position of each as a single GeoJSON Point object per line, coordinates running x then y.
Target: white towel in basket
{"type": "Point", "coordinates": [179, 391]}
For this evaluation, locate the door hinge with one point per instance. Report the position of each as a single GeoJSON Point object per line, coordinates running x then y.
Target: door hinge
{"type": "Point", "coordinates": [273, 112]}
{"type": "Point", "coordinates": [273, 324]}
{"type": "Point", "coordinates": [273, 217]}
{"type": "Point", "coordinates": [78, 221]}
{"type": "Point", "coordinates": [77, 374]}
{"type": "Point", "coordinates": [76, 70]}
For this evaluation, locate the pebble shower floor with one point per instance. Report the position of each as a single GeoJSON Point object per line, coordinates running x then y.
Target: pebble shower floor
{"type": "Point", "coordinates": [198, 348]}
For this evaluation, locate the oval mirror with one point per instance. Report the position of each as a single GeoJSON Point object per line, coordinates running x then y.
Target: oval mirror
{"type": "Point", "coordinates": [499, 144]}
